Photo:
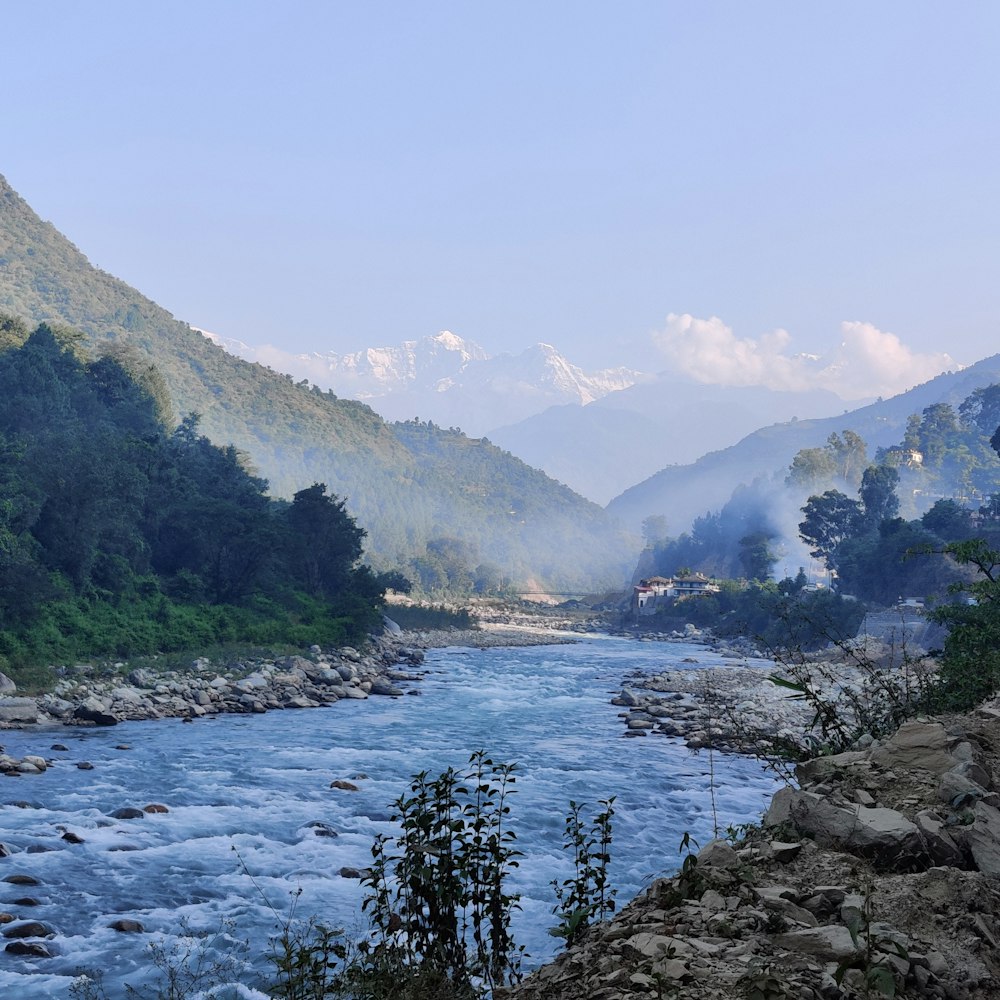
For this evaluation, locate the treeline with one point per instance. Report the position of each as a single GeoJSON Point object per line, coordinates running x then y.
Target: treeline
{"type": "Point", "coordinates": [878, 523]}
{"type": "Point", "coordinates": [120, 535]}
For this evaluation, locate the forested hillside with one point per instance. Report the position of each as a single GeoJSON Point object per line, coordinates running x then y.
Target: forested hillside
{"type": "Point", "coordinates": [121, 536]}
{"type": "Point", "coordinates": [295, 435]}
{"type": "Point", "coordinates": [683, 492]}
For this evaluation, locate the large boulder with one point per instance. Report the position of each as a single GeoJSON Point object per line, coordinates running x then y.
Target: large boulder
{"type": "Point", "coordinates": [884, 835]}
{"type": "Point", "coordinates": [18, 709]}
{"type": "Point", "coordinates": [97, 711]}
{"type": "Point", "coordinates": [923, 745]}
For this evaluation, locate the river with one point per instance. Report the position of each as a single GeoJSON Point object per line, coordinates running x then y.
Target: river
{"type": "Point", "coordinates": [243, 790]}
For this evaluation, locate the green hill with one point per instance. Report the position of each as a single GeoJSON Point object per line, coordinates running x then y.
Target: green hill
{"type": "Point", "coordinates": [403, 488]}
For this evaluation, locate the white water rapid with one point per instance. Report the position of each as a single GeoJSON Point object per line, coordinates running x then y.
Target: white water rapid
{"type": "Point", "coordinates": [256, 783]}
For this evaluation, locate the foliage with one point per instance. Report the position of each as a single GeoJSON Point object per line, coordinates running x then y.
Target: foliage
{"type": "Point", "coordinates": [118, 537]}
{"type": "Point", "coordinates": [585, 896]}
{"type": "Point", "coordinates": [970, 664]}
{"type": "Point", "coordinates": [778, 615]}
{"type": "Point", "coordinates": [437, 897]}
{"type": "Point", "coordinates": [841, 460]}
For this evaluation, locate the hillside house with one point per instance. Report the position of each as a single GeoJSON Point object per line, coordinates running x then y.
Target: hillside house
{"type": "Point", "coordinates": [648, 592]}
{"type": "Point", "coordinates": [694, 585]}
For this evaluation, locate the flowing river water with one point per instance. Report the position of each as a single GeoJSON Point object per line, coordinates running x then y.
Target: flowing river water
{"type": "Point", "coordinates": [243, 790]}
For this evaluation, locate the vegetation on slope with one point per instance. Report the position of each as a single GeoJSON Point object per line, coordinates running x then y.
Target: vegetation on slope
{"type": "Point", "coordinates": [119, 537]}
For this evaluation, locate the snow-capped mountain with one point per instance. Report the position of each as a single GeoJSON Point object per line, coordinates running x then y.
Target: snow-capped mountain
{"type": "Point", "coordinates": [447, 379]}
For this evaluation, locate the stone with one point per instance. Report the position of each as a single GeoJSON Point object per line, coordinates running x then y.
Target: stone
{"type": "Point", "coordinates": [27, 929]}
{"type": "Point", "coordinates": [938, 843]}
{"type": "Point", "coordinates": [36, 949]}
{"type": "Point", "coordinates": [783, 852]}
{"type": "Point", "coordinates": [956, 788]}
{"type": "Point", "coordinates": [718, 854]}
{"type": "Point", "coordinates": [18, 710]}
{"type": "Point", "coordinates": [96, 711]}
{"type": "Point", "coordinates": [829, 944]}
{"type": "Point", "coordinates": [85, 765]}
{"type": "Point", "coordinates": [879, 833]}
{"type": "Point", "coordinates": [72, 838]}
{"type": "Point", "coordinates": [128, 812]}
{"type": "Point", "coordinates": [125, 926]}
{"type": "Point", "coordinates": [155, 807]}
{"type": "Point", "coordinates": [7, 686]}
{"type": "Point", "coordinates": [382, 686]}
{"type": "Point", "coordinates": [923, 745]}
{"type": "Point", "coordinates": [344, 786]}
{"type": "Point", "coordinates": [984, 838]}
{"type": "Point", "coordinates": [22, 880]}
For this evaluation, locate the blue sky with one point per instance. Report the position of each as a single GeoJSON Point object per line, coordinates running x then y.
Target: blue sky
{"type": "Point", "coordinates": [328, 176]}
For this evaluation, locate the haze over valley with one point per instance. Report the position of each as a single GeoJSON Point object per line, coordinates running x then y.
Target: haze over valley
{"type": "Point", "coordinates": [456, 457]}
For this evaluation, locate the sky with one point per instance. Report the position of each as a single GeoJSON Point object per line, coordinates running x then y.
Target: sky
{"type": "Point", "coordinates": [778, 193]}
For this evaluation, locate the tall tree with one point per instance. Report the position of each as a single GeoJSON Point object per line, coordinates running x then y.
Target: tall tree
{"type": "Point", "coordinates": [829, 519]}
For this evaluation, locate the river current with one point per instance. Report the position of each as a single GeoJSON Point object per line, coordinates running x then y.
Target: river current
{"type": "Point", "coordinates": [242, 792]}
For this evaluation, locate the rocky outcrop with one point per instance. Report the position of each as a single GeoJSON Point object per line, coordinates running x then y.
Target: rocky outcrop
{"type": "Point", "coordinates": [869, 879]}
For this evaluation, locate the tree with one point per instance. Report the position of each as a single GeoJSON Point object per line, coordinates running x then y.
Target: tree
{"type": "Point", "coordinates": [970, 666]}
{"type": "Point", "coordinates": [878, 495]}
{"type": "Point", "coordinates": [829, 519]}
{"type": "Point", "coordinates": [756, 555]}
{"type": "Point", "coordinates": [325, 542]}
{"type": "Point", "coordinates": [949, 520]}
{"type": "Point", "coordinates": [981, 410]}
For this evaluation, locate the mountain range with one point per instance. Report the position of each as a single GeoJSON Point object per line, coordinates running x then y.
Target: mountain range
{"type": "Point", "coordinates": [446, 379]}
{"type": "Point", "coordinates": [404, 489]}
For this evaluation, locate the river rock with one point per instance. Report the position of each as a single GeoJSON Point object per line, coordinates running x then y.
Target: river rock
{"type": "Point", "coordinates": [18, 710]}
{"type": "Point", "coordinates": [383, 686]}
{"type": "Point", "coordinates": [128, 812]}
{"type": "Point", "coordinates": [36, 949]}
{"type": "Point", "coordinates": [124, 926]}
{"type": "Point", "coordinates": [27, 929]}
{"type": "Point", "coordinates": [344, 786]}
{"type": "Point", "coordinates": [22, 880]}
{"type": "Point", "coordinates": [7, 686]}
{"type": "Point", "coordinates": [97, 711]}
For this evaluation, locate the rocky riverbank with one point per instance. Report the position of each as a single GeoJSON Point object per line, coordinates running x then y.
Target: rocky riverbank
{"type": "Point", "coordinates": [87, 695]}
{"type": "Point", "coordinates": [728, 706]}
{"type": "Point", "coordinates": [878, 876]}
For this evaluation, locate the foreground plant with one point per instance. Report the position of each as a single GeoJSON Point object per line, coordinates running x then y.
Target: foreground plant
{"type": "Point", "coordinates": [587, 895]}
{"type": "Point", "coordinates": [437, 897]}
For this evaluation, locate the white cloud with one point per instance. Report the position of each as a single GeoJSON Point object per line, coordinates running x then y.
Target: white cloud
{"type": "Point", "coordinates": [866, 362]}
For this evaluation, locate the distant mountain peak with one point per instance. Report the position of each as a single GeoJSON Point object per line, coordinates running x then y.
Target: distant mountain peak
{"type": "Point", "coordinates": [448, 379]}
